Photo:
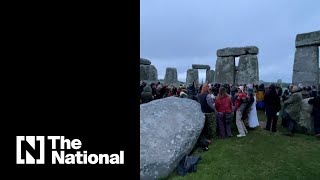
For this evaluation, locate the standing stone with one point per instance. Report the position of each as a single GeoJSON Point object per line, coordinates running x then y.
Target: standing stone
{"type": "Point", "coordinates": [306, 66]}
{"type": "Point", "coordinates": [200, 66]}
{"type": "Point", "coordinates": [171, 76]}
{"type": "Point", "coordinates": [192, 74]}
{"type": "Point", "coordinates": [307, 39]}
{"type": "Point", "coordinates": [210, 76]}
{"type": "Point", "coordinates": [225, 70]}
{"type": "Point", "coordinates": [148, 73]}
{"type": "Point", "coordinates": [305, 124]}
{"type": "Point", "coordinates": [169, 130]}
{"type": "Point", "coordinates": [248, 70]}
{"type": "Point", "coordinates": [279, 82]}
{"type": "Point", "coordinates": [144, 61]}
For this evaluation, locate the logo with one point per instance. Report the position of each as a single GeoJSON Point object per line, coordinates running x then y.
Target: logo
{"type": "Point", "coordinates": [31, 150]}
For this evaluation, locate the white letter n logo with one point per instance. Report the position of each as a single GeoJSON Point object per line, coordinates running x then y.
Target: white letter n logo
{"type": "Point", "coordinates": [30, 150]}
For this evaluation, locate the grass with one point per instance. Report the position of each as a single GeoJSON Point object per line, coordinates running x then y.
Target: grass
{"type": "Point", "coordinates": [259, 155]}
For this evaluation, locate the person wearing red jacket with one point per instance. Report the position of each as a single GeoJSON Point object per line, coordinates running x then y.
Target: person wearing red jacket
{"type": "Point", "coordinates": [223, 107]}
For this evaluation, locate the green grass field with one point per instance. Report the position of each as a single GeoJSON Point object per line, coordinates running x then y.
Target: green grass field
{"type": "Point", "coordinates": [259, 155]}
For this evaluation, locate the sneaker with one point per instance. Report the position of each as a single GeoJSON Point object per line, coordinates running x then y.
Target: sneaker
{"type": "Point", "coordinates": [241, 135]}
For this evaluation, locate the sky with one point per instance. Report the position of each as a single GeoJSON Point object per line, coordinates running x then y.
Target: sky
{"type": "Point", "coordinates": [179, 33]}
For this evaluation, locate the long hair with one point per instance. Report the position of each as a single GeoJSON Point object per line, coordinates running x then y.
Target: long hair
{"type": "Point", "coordinates": [222, 92]}
{"type": "Point", "coordinates": [204, 89]}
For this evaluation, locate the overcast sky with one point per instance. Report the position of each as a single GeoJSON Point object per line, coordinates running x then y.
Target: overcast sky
{"type": "Point", "coordinates": [179, 33]}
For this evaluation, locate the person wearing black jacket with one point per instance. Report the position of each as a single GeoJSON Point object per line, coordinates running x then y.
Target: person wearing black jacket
{"type": "Point", "coordinates": [272, 104]}
{"type": "Point", "coordinates": [316, 113]}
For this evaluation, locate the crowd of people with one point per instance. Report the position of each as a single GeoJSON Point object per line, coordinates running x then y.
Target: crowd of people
{"type": "Point", "coordinates": [239, 103]}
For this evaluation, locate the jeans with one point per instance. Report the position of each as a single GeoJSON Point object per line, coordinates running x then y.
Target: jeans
{"type": "Point", "coordinates": [272, 117]}
{"type": "Point", "coordinates": [224, 127]}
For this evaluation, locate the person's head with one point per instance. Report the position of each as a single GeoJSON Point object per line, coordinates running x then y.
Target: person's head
{"type": "Point", "coordinates": [318, 93]}
{"type": "Point", "coordinates": [222, 92]}
{"type": "Point", "coordinates": [250, 91]}
{"type": "Point", "coordinates": [304, 88]}
{"type": "Point", "coordinates": [295, 89]}
{"type": "Point", "coordinates": [240, 89]}
{"type": "Point", "coordinates": [205, 89]}
{"type": "Point", "coordinates": [309, 88]}
{"type": "Point", "coordinates": [272, 86]}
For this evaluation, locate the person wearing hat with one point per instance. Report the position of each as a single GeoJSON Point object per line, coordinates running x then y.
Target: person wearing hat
{"type": "Point", "coordinates": [292, 110]}
{"type": "Point", "coordinates": [316, 113]}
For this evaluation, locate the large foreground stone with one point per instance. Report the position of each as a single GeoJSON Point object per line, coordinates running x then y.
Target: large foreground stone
{"type": "Point", "coordinates": [144, 61]}
{"type": "Point", "coordinates": [248, 70]}
{"type": "Point", "coordinates": [148, 73]}
{"type": "Point", "coordinates": [305, 123]}
{"type": "Point", "coordinates": [169, 129]}
{"type": "Point", "coordinates": [307, 39]}
{"type": "Point", "coordinates": [200, 66]}
{"type": "Point", "coordinates": [306, 66]}
{"type": "Point", "coordinates": [237, 51]}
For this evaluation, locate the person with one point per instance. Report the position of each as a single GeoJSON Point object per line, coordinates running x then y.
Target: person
{"type": "Point", "coordinates": [316, 113]}
{"type": "Point", "coordinates": [207, 106]}
{"type": "Point", "coordinates": [233, 92]}
{"type": "Point", "coordinates": [292, 108]}
{"type": "Point", "coordinates": [205, 100]}
{"type": "Point", "coordinates": [260, 97]}
{"type": "Point", "coordinates": [313, 92]}
{"type": "Point", "coordinates": [191, 90]}
{"type": "Point", "coordinates": [223, 106]}
{"type": "Point", "coordinates": [272, 106]}
{"type": "Point", "coordinates": [142, 85]}
{"type": "Point", "coordinates": [305, 94]}
{"type": "Point", "coordinates": [285, 95]}
{"type": "Point", "coordinates": [146, 95]}
{"type": "Point", "coordinates": [240, 103]}
{"type": "Point", "coordinates": [279, 90]}
{"type": "Point", "coordinates": [253, 117]}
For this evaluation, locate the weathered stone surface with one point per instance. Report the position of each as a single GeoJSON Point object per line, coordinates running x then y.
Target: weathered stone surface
{"type": "Point", "coordinates": [169, 129]}
{"type": "Point", "coordinates": [237, 51]}
{"type": "Point", "coordinates": [306, 66]}
{"type": "Point", "coordinates": [171, 75]}
{"type": "Point", "coordinates": [307, 39]}
{"type": "Point", "coordinates": [306, 123]}
{"type": "Point", "coordinates": [192, 74]}
{"type": "Point", "coordinates": [248, 70]}
{"type": "Point", "coordinates": [225, 70]}
{"type": "Point", "coordinates": [148, 73]}
{"type": "Point", "coordinates": [210, 76]}
{"type": "Point", "coordinates": [144, 61]}
{"type": "Point", "coordinates": [200, 66]}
